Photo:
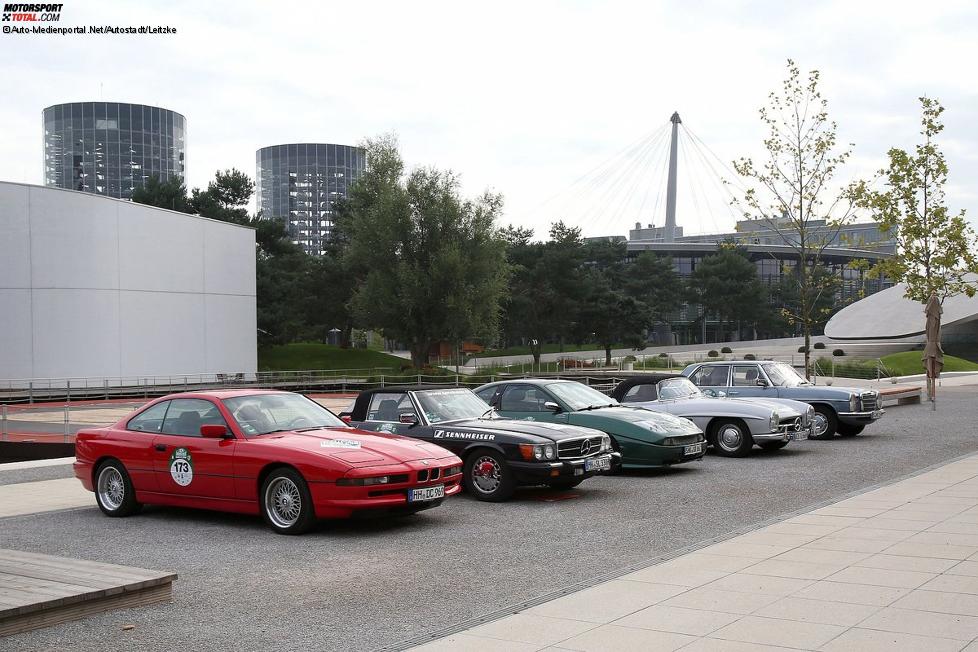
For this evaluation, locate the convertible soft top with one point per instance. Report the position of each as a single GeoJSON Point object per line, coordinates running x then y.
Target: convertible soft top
{"type": "Point", "coordinates": [645, 379]}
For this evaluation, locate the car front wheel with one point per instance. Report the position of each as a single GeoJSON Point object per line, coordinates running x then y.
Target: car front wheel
{"type": "Point", "coordinates": [114, 492]}
{"type": "Point", "coordinates": [286, 504]}
{"type": "Point", "coordinates": [825, 423]}
{"type": "Point", "coordinates": [488, 477]}
{"type": "Point", "coordinates": [731, 438]}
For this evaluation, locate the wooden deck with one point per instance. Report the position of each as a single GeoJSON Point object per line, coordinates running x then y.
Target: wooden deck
{"type": "Point", "coordinates": [41, 590]}
{"type": "Point", "coordinates": [900, 394]}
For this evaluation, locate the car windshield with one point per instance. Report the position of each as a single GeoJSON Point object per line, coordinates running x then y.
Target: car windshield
{"type": "Point", "coordinates": [260, 414]}
{"type": "Point", "coordinates": [451, 405]}
{"type": "Point", "coordinates": [578, 396]}
{"type": "Point", "coordinates": [784, 375]}
{"type": "Point", "coordinates": [673, 388]}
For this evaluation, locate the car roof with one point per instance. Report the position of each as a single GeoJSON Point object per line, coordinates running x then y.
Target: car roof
{"type": "Point", "coordinates": [531, 381]}
{"type": "Point", "coordinates": [224, 393]}
{"type": "Point", "coordinates": [411, 388]}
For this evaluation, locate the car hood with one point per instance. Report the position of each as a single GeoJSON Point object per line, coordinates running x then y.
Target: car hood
{"type": "Point", "coordinates": [809, 392]}
{"type": "Point", "coordinates": [714, 407]}
{"type": "Point", "coordinates": [661, 421]}
{"type": "Point", "coordinates": [547, 430]}
{"type": "Point", "coordinates": [356, 447]}
{"type": "Point", "coordinates": [784, 407]}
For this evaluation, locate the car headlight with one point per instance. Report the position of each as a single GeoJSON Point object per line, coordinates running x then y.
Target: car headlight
{"type": "Point", "coordinates": [853, 403]}
{"type": "Point", "coordinates": [538, 452]}
{"type": "Point", "coordinates": [809, 415]}
{"type": "Point", "coordinates": [606, 443]}
{"type": "Point", "coordinates": [453, 470]}
{"type": "Point", "coordinates": [668, 441]}
{"type": "Point", "coordinates": [774, 421]}
{"type": "Point", "coordinates": [363, 482]}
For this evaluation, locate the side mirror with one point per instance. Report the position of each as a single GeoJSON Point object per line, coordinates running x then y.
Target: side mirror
{"type": "Point", "coordinates": [720, 393]}
{"type": "Point", "coordinates": [214, 431]}
{"type": "Point", "coordinates": [762, 383]}
{"type": "Point", "coordinates": [408, 417]}
{"type": "Point", "coordinates": [346, 418]}
{"type": "Point", "coordinates": [553, 407]}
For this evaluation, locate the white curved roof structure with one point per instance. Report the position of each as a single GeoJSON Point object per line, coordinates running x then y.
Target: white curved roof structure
{"type": "Point", "coordinates": [889, 315]}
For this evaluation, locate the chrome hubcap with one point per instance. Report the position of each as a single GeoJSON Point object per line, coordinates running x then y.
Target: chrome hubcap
{"type": "Point", "coordinates": [821, 424]}
{"type": "Point", "coordinates": [730, 437]}
{"type": "Point", "coordinates": [283, 502]}
{"type": "Point", "coordinates": [486, 475]}
{"type": "Point", "coordinates": [111, 488]}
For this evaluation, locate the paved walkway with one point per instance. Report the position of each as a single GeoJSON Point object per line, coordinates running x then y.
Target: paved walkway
{"type": "Point", "coordinates": [43, 496]}
{"type": "Point", "coordinates": [895, 568]}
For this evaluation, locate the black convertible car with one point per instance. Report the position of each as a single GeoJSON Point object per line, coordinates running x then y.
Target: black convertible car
{"type": "Point", "coordinates": [499, 454]}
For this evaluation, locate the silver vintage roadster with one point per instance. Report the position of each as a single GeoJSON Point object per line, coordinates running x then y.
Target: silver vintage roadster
{"type": "Point", "coordinates": [732, 425]}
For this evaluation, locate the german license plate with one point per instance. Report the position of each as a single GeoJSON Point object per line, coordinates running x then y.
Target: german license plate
{"type": "Point", "coordinates": [693, 449]}
{"type": "Point", "coordinates": [598, 464]}
{"type": "Point", "coordinates": [799, 435]}
{"type": "Point", "coordinates": [426, 493]}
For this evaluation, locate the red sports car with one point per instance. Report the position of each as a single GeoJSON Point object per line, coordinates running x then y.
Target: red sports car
{"type": "Point", "coordinates": [277, 453]}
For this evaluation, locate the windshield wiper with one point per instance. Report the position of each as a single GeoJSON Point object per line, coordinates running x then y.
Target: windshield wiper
{"type": "Point", "coordinates": [598, 407]}
{"type": "Point", "coordinates": [488, 413]}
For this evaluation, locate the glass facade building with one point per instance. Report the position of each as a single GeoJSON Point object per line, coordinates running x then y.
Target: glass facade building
{"type": "Point", "coordinates": [110, 148]}
{"type": "Point", "coordinates": [299, 183]}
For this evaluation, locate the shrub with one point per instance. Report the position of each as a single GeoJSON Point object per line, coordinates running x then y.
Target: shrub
{"type": "Point", "coordinates": [726, 349]}
{"type": "Point", "coordinates": [801, 349]}
{"type": "Point", "coordinates": [750, 356]}
{"type": "Point", "coordinates": [838, 352]}
{"type": "Point", "coordinates": [629, 358]}
{"type": "Point", "coordinates": [819, 345]}
{"type": "Point", "coordinates": [663, 355]}
{"type": "Point", "coordinates": [713, 354]}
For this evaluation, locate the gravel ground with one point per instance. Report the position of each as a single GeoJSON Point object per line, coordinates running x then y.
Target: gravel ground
{"type": "Point", "coordinates": [362, 585]}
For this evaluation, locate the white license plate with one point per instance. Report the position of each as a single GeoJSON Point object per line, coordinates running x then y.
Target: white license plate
{"type": "Point", "coordinates": [799, 435]}
{"type": "Point", "coordinates": [598, 464]}
{"type": "Point", "coordinates": [693, 449]}
{"type": "Point", "coordinates": [426, 493]}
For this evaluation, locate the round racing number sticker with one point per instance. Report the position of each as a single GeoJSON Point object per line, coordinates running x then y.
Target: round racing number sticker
{"type": "Point", "coordinates": [181, 467]}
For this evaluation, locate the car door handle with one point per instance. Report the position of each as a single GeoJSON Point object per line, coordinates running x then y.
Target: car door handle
{"type": "Point", "coordinates": [732, 393]}
{"type": "Point", "coordinates": [160, 447]}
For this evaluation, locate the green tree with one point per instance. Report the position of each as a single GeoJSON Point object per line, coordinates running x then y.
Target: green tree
{"type": "Point", "coordinates": [171, 194]}
{"type": "Point", "coordinates": [436, 262]}
{"type": "Point", "coordinates": [226, 197]}
{"type": "Point", "coordinates": [936, 249]}
{"type": "Point", "coordinates": [726, 284]}
{"type": "Point", "coordinates": [653, 280]}
{"type": "Point", "coordinates": [792, 189]}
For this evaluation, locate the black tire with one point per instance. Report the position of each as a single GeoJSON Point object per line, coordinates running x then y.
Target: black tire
{"type": "Point", "coordinates": [114, 492]}
{"type": "Point", "coordinates": [563, 484]}
{"type": "Point", "coordinates": [850, 430]}
{"type": "Point", "coordinates": [772, 445]}
{"type": "Point", "coordinates": [488, 477]}
{"type": "Point", "coordinates": [731, 438]}
{"type": "Point", "coordinates": [281, 490]}
{"type": "Point", "coordinates": [824, 412]}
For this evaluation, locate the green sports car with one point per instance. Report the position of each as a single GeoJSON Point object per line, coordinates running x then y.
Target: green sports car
{"type": "Point", "coordinates": [644, 438]}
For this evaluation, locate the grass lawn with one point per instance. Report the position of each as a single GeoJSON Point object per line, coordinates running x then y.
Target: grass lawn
{"type": "Point", "coordinates": [908, 363]}
{"type": "Point", "coordinates": [311, 355]}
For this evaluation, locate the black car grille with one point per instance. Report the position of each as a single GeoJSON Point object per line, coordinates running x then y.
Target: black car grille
{"type": "Point", "coordinates": [869, 401]}
{"type": "Point", "coordinates": [573, 448]}
{"type": "Point", "coordinates": [685, 440]}
{"type": "Point", "coordinates": [424, 475]}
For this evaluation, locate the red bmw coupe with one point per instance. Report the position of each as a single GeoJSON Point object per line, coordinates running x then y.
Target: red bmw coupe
{"type": "Point", "coordinates": [255, 451]}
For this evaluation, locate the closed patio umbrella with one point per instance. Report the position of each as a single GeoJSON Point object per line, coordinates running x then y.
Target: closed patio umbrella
{"type": "Point", "coordinates": [933, 357]}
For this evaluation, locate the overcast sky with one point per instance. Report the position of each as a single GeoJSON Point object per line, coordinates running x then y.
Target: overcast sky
{"type": "Point", "coordinates": [522, 98]}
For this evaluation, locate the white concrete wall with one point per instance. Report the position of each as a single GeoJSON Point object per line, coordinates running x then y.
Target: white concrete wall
{"type": "Point", "coordinates": [92, 287]}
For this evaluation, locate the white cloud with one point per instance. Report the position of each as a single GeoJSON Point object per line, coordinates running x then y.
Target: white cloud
{"type": "Point", "coordinates": [520, 97]}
